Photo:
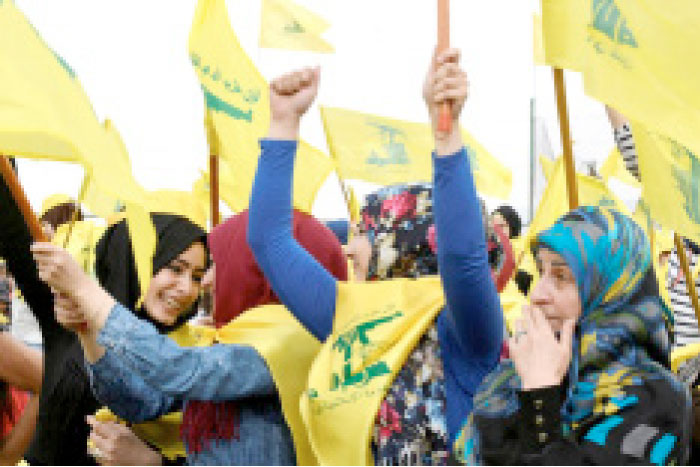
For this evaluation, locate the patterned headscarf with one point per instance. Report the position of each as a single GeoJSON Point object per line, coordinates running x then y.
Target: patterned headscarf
{"type": "Point", "coordinates": [622, 335]}
{"type": "Point", "coordinates": [398, 221]}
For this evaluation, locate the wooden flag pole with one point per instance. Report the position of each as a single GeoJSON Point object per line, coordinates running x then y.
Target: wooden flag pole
{"type": "Point", "coordinates": [214, 188]}
{"type": "Point", "coordinates": [562, 111]}
{"type": "Point", "coordinates": [213, 140]}
{"type": "Point", "coordinates": [76, 211]}
{"type": "Point", "coordinates": [443, 28]}
{"type": "Point", "coordinates": [8, 174]}
{"type": "Point", "coordinates": [689, 282]}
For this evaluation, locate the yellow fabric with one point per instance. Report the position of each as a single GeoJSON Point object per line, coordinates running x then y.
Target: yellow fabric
{"type": "Point", "coordinates": [288, 350]}
{"type": "Point", "coordinates": [512, 302]}
{"type": "Point", "coordinates": [81, 243]}
{"type": "Point", "coordinates": [389, 151]}
{"type": "Point", "coordinates": [634, 55]}
{"type": "Point", "coordinates": [670, 175]}
{"type": "Point", "coordinates": [554, 202]}
{"type": "Point", "coordinates": [237, 95]}
{"type": "Point", "coordinates": [377, 325]}
{"type": "Point", "coordinates": [164, 433]}
{"type": "Point", "coordinates": [354, 206]}
{"type": "Point", "coordinates": [46, 115]}
{"type": "Point", "coordinates": [682, 354]}
{"type": "Point", "coordinates": [53, 201]}
{"type": "Point", "coordinates": [143, 244]}
{"type": "Point", "coordinates": [614, 166]}
{"type": "Point", "coordinates": [547, 166]}
{"type": "Point", "coordinates": [523, 256]}
{"type": "Point", "coordinates": [286, 25]}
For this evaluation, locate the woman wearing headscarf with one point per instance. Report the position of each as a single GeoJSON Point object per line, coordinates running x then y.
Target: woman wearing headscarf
{"type": "Point", "coordinates": [240, 399]}
{"type": "Point", "coordinates": [66, 397]}
{"type": "Point", "coordinates": [589, 379]}
{"type": "Point", "coordinates": [394, 378]}
{"type": "Point", "coordinates": [397, 237]}
{"type": "Point", "coordinates": [179, 263]}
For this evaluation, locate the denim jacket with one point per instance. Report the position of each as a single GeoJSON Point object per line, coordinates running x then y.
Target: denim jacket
{"type": "Point", "coordinates": [143, 374]}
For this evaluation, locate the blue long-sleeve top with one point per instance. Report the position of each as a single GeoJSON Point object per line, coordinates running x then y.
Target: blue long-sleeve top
{"type": "Point", "coordinates": [470, 327]}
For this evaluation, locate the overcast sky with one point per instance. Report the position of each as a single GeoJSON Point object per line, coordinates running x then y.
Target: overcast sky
{"type": "Point", "coordinates": [131, 57]}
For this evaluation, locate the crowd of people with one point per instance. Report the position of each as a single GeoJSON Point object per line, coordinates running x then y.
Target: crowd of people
{"type": "Point", "coordinates": [403, 358]}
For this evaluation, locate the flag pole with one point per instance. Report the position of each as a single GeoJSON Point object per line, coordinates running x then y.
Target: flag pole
{"type": "Point", "coordinates": [213, 141]}
{"type": "Point", "coordinates": [76, 211]}
{"type": "Point", "coordinates": [443, 33]}
{"type": "Point", "coordinates": [564, 128]}
{"type": "Point", "coordinates": [689, 282]}
{"type": "Point", "coordinates": [8, 174]}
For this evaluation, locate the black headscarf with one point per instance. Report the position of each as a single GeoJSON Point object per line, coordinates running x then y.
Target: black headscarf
{"type": "Point", "coordinates": [116, 268]}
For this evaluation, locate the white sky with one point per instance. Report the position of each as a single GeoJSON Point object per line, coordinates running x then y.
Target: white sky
{"type": "Point", "coordinates": [131, 57]}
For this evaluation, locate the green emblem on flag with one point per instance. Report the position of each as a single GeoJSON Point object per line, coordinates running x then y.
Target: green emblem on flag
{"type": "Point", "coordinates": [294, 28]}
{"type": "Point", "coordinates": [345, 343]}
{"type": "Point", "coordinates": [395, 150]}
{"type": "Point", "coordinates": [607, 19]}
{"type": "Point", "coordinates": [688, 182]}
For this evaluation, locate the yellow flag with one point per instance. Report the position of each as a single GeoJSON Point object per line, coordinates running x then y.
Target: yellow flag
{"type": "Point", "coordinates": [547, 166]}
{"type": "Point", "coordinates": [389, 151]}
{"type": "Point", "coordinates": [46, 114]}
{"type": "Point", "coordinates": [376, 326]}
{"type": "Point", "coordinates": [286, 25]}
{"type": "Point", "coordinates": [614, 166]}
{"type": "Point", "coordinates": [512, 302]}
{"type": "Point", "coordinates": [143, 243]}
{"type": "Point", "coordinates": [238, 97]}
{"type": "Point", "coordinates": [635, 56]}
{"type": "Point", "coordinates": [554, 202]}
{"type": "Point", "coordinates": [83, 239]}
{"type": "Point", "coordinates": [670, 181]}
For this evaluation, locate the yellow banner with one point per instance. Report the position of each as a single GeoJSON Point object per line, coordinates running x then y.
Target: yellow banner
{"type": "Point", "coordinates": [554, 202]}
{"type": "Point", "coordinates": [670, 181]}
{"type": "Point", "coordinates": [389, 151]}
{"type": "Point", "coordinates": [635, 55]}
{"type": "Point", "coordinates": [286, 25]}
{"type": "Point", "coordinates": [46, 115]}
{"type": "Point", "coordinates": [376, 327]}
{"type": "Point", "coordinates": [237, 96]}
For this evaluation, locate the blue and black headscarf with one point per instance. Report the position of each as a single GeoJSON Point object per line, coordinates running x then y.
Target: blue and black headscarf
{"type": "Point", "coordinates": [622, 337]}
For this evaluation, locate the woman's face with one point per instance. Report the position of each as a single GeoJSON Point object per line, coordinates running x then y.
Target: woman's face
{"type": "Point", "coordinates": [176, 286]}
{"type": "Point", "coordinates": [498, 220]}
{"type": "Point", "coordinates": [556, 291]}
{"type": "Point", "coordinates": [359, 250]}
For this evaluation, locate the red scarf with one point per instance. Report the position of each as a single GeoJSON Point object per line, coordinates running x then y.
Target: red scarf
{"type": "Point", "coordinates": [240, 285]}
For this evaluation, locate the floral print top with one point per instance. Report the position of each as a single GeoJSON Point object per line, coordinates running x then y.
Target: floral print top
{"type": "Point", "coordinates": [411, 428]}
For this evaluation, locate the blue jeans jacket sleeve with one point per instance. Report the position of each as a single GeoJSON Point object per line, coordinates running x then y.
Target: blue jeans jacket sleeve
{"type": "Point", "coordinates": [127, 395]}
{"type": "Point", "coordinates": [473, 314]}
{"type": "Point", "coordinates": [217, 373]}
{"type": "Point", "coordinates": [301, 283]}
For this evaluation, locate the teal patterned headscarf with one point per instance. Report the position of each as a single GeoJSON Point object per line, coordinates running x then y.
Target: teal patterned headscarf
{"type": "Point", "coordinates": [622, 335]}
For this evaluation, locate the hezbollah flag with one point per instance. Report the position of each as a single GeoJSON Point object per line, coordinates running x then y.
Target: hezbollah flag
{"type": "Point", "coordinates": [554, 202]}
{"type": "Point", "coordinates": [670, 175]}
{"type": "Point", "coordinates": [635, 55]}
{"type": "Point", "coordinates": [614, 167]}
{"type": "Point", "coordinates": [376, 326]}
{"type": "Point", "coordinates": [286, 25]}
{"type": "Point", "coordinates": [237, 96]}
{"type": "Point", "coordinates": [388, 151]}
{"type": "Point", "coordinates": [46, 115]}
